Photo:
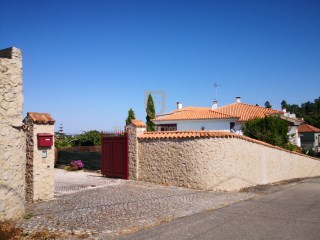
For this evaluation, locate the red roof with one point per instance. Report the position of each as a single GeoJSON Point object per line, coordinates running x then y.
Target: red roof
{"type": "Point", "coordinates": [246, 112]}
{"type": "Point", "coordinates": [194, 113]}
{"type": "Point", "coordinates": [186, 134]}
{"type": "Point", "coordinates": [308, 128]}
{"type": "Point", "coordinates": [41, 117]}
{"type": "Point", "coordinates": [138, 123]}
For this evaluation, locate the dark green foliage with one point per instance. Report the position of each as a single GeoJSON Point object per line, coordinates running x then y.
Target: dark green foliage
{"type": "Point", "coordinates": [310, 152]}
{"type": "Point", "coordinates": [151, 114]}
{"type": "Point", "coordinates": [131, 116]}
{"type": "Point", "coordinates": [91, 160]}
{"type": "Point", "coordinates": [284, 104]}
{"type": "Point", "coordinates": [310, 111]}
{"type": "Point", "coordinates": [267, 104]}
{"type": "Point", "coordinates": [90, 138]}
{"type": "Point", "coordinates": [64, 142]}
{"type": "Point", "coordinates": [270, 129]}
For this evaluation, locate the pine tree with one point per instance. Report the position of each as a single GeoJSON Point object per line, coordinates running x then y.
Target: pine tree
{"type": "Point", "coordinates": [284, 104]}
{"type": "Point", "coordinates": [151, 114]}
{"type": "Point", "coordinates": [267, 104]}
{"type": "Point", "coordinates": [131, 116]}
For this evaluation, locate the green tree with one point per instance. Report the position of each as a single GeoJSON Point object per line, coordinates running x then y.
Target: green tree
{"type": "Point", "coordinates": [131, 116]}
{"type": "Point", "coordinates": [267, 104]}
{"type": "Point", "coordinates": [271, 129]}
{"type": "Point", "coordinates": [64, 142]}
{"type": "Point", "coordinates": [151, 114]}
{"type": "Point", "coordinates": [310, 111]}
{"type": "Point", "coordinates": [89, 138]}
{"type": "Point", "coordinates": [284, 104]}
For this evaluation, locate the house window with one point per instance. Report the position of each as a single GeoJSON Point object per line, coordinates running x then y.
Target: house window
{"type": "Point", "coordinates": [167, 127]}
{"type": "Point", "coordinates": [232, 127]}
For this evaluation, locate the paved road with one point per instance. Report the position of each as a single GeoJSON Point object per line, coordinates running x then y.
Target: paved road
{"type": "Point", "coordinates": [101, 208]}
{"type": "Point", "coordinates": [292, 213]}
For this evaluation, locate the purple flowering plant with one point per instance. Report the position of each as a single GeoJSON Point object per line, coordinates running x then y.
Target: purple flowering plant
{"type": "Point", "coordinates": [77, 164]}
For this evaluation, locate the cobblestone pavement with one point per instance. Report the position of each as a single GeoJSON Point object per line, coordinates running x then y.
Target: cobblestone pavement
{"type": "Point", "coordinates": [70, 182]}
{"type": "Point", "coordinates": [102, 208]}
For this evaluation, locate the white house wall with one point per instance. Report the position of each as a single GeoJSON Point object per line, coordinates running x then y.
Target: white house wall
{"type": "Point", "coordinates": [182, 125]}
{"type": "Point", "coordinates": [207, 125]}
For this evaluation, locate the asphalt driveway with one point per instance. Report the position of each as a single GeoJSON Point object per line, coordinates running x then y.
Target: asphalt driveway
{"type": "Point", "coordinates": [291, 213]}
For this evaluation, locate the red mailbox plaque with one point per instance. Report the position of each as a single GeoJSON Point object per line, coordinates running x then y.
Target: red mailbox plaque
{"type": "Point", "coordinates": [45, 139]}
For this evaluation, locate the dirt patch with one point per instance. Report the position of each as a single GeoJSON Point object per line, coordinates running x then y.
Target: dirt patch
{"type": "Point", "coordinates": [9, 231]}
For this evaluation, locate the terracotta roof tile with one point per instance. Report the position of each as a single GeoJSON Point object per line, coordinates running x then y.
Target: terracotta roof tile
{"type": "Point", "coordinates": [187, 134]}
{"type": "Point", "coordinates": [246, 112]}
{"type": "Point", "coordinates": [138, 123]}
{"type": "Point", "coordinates": [193, 113]}
{"type": "Point", "coordinates": [41, 117]}
{"type": "Point", "coordinates": [208, 134]}
{"type": "Point", "coordinates": [308, 128]}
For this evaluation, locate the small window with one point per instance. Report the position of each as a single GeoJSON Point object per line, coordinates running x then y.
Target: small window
{"type": "Point", "coordinates": [232, 127]}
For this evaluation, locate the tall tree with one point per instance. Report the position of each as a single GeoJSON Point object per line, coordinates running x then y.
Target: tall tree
{"type": "Point", "coordinates": [310, 111]}
{"type": "Point", "coordinates": [267, 104]}
{"type": "Point", "coordinates": [131, 116]}
{"type": "Point", "coordinates": [284, 104]}
{"type": "Point", "coordinates": [151, 114]}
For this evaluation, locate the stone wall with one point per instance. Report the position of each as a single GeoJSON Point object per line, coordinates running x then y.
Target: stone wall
{"type": "Point", "coordinates": [12, 137]}
{"type": "Point", "coordinates": [29, 158]}
{"type": "Point", "coordinates": [215, 163]}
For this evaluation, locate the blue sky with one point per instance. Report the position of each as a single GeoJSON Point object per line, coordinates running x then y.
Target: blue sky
{"type": "Point", "coordinates": [88, 62]}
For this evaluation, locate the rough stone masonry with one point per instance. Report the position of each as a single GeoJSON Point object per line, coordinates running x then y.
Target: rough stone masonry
{"type": "Point", "coordinates": [12, 136]}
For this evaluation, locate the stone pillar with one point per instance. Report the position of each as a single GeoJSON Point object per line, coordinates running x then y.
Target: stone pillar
{"type": "Point", "coordinates": [40, 160]}
{"type": "Point", "coordinates": [12, 136]}
{"type": "Point", "coordinates": [134, 129]}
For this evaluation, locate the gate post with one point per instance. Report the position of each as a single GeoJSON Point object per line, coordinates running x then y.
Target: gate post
{"type": "Point", "coordinates": [40, 156]}
{"type": "Point", "coordinates": [134, 129]}
{"type": "Point", "coordinates": [12, 136]}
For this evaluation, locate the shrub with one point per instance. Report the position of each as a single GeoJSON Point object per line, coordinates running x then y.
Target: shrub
{"type": "Point", "coordinates": [90, 138]}
{"type": "Point", "coordinates": [64, 142]}
{"type": "Point", "coordinates": [77, 165]}
{"type": "Point", "coordinates": [271, 129]}
{"type": "Point", "coordinates": [310, 152]}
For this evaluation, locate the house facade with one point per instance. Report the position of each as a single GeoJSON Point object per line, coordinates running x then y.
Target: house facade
{"type": "Point", "coordinates": [310, 137]}
{"type": "Point", "coordinates": [194, 118]}
{"type": "Point", "coordinates": [228, 118]}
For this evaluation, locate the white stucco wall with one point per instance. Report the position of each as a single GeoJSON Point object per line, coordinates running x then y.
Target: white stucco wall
{"type": "Point", "coordinates": [219, 163]}
{"type": "Point", "coordinates": [221, 125]}
{"type": "Point", "coordinates": [212, 124]}
{"type": "Point", "coordinates": [294, 137]}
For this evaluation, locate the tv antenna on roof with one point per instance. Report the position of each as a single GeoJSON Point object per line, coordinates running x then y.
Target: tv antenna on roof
{"type": "Point", "coordinates": [216, 85]}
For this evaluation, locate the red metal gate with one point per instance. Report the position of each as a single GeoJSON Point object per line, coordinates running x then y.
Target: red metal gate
{"type": "Point", "coordinates": [114, 154]}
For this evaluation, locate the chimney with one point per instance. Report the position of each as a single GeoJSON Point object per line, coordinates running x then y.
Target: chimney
{"type": "Point", "coordinates": [215, 104]}
{"type": "Point", "coordinates": [179, 105]}
{"type": "Point", "coordinates": [238, 99]}
{"type": "Point", "coordinates": [284, 110]}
